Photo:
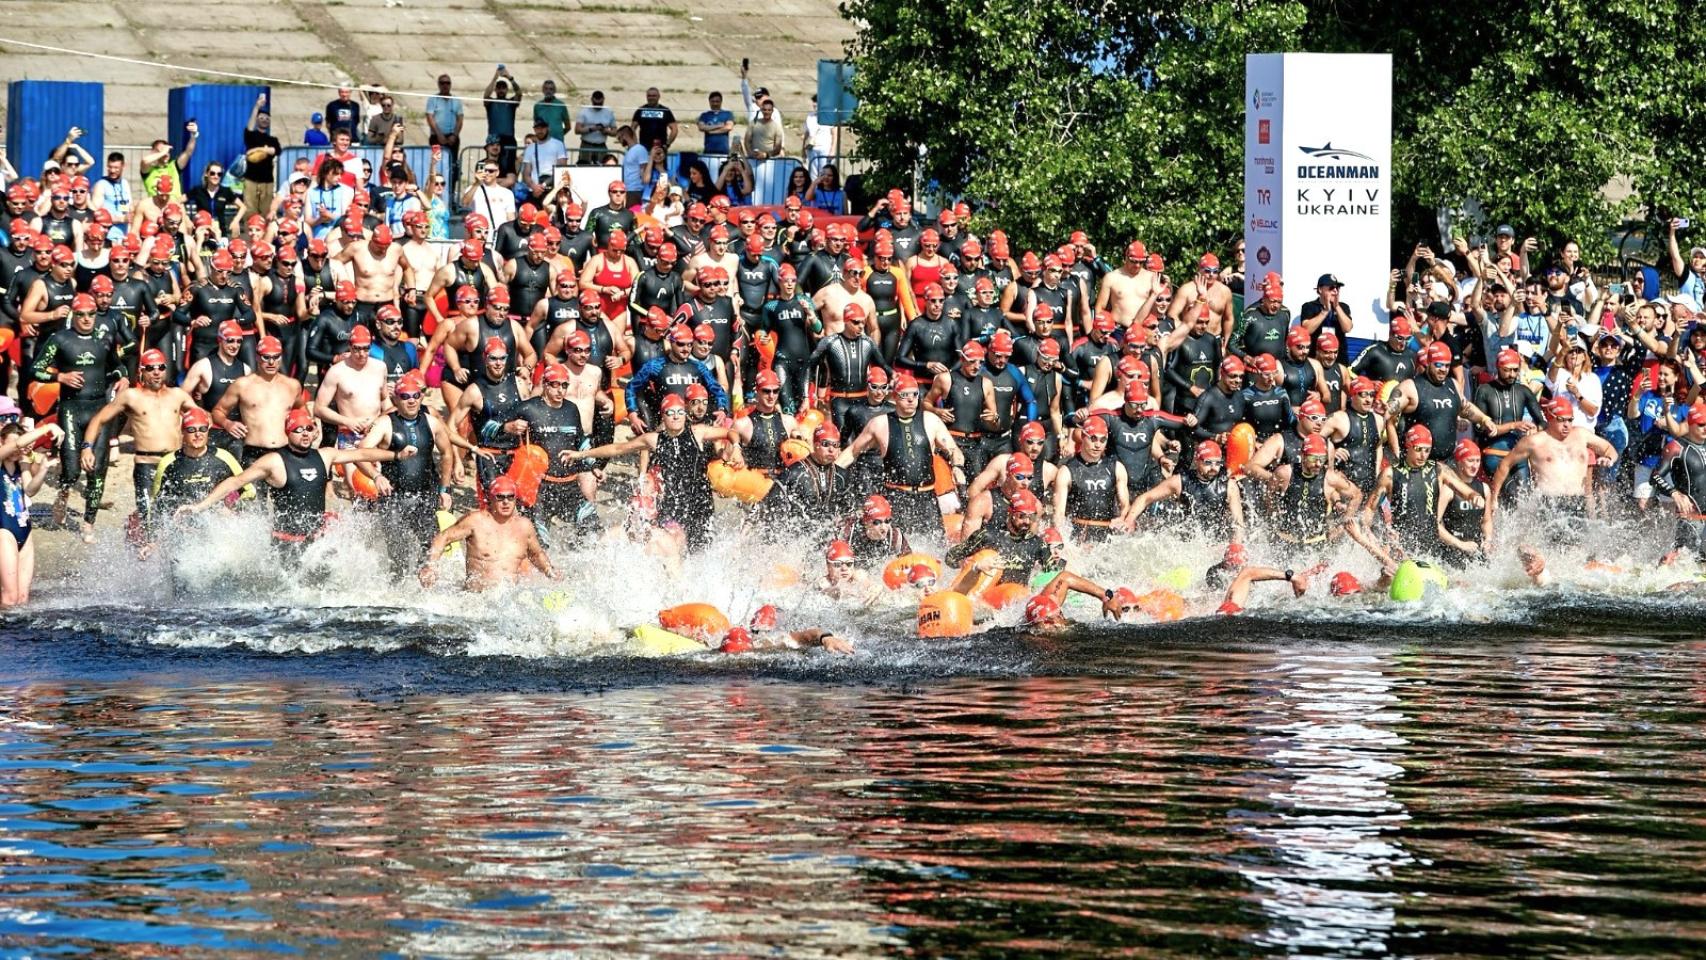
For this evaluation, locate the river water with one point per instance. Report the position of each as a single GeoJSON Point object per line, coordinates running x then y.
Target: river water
{"type": "Point", "coordinates": [1272, 787]}
{"type": "Point", "coordinates": [229, 762]}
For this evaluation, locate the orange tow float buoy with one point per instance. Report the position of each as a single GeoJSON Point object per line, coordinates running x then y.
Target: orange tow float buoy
{"type": "Point", "coordinates": [1240, 444]}
{"type": "Point", "coordinates": [1004, 594]}
{"type": "Point", "coordinates": [700, 620]}
{"type": "Point", "coordinates": [747, 486]}
{"type": "Point", "coordinates": [527, 469]}
{"type": "Point", "coordinates": [946, 613]}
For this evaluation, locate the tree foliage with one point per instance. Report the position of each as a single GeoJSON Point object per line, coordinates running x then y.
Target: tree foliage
{"type": "Point", "coordinates": [1128, 121]}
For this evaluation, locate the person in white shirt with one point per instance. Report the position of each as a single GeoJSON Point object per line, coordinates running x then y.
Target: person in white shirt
{"type": "Point", "coordinates": [112, 194]}
{"type": "Point", "coordinates": [541, 156]}
{"type": "Point", "coordinates": [489, 198]}
{"type": "Point", "coordinates": [819, 141]}
{"type": "Point", "coordinates": [1573, 377]}
{"type": "Point", "coordinates": [755, 97]}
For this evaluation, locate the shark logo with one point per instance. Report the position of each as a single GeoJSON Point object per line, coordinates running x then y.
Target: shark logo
{"type": "Point", "coordinates": [1330, 152]}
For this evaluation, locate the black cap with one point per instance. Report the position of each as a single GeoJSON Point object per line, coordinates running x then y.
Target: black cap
{"type": "Point", "coordinates": [1328, 280]}
{"type": "Point", "coordinates": [1441, 309]}
{"type": "Point", "coordinates": [1504, 230]}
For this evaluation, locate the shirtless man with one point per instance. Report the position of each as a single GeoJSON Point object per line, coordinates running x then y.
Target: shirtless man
{"type": "Point", "coordinates": [501, 543]}
{"type": "Point", "coordinates": [717, 252]}
{"type": "Point", "coordinates": [1124, 291]}
{"type": "Point", "coordinates": [154, 412]}
{"type": "Point", "coordinates": [354, 392]}
{"type": "Point", "coordinates": [376, 267]}
{"type": "Point", "coordinates": [832, 300]}
{"type": "Point", "coordinates": [1558, 458]}
{"type": "Point", "coordinates": [585, 380]}
{"type": "Point", "coordinates": [1206, 288]}
{"type": "Point", "coordinates": [261, 401]}
{"type": "Point", "coordinates": [420, 263]}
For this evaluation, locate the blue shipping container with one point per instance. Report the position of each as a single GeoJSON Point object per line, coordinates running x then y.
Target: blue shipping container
{"type": "Point", "coordinates": [221, 114]}
{"type": "Point", "coordinates": [40, 112]}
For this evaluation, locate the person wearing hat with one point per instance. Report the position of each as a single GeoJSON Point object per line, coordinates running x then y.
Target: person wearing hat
{"type": "Point", "coordinates": [352, 392]}
{"type": "Point", "coordinates": [680, 454]}
{"type": "Point", "coordinates": [813, 494]}
{"type": "Point", "coordinates": [792, 322]}
{"type": "Point", "coordinates": [1206, 289]}
{"type": "Point", "coordinates": [669, 375]}
{"type": "Point", "coordinates": [185, 475]}
{"type": "Point", "coordinates": [964, 397]}
{"type": "Point", "coordinates": [1436, 401]}
{"type": "Point", "coordinates": [151, 409]}
{"type": "Point", "coordinates": [1015, 552]}
{"type": "Point", "coordinates": [377, 268]}
{"type": "Point", "coordinates": [1327, 311]}
{"type": "Point", "coordinates": [1392, 358]}
{"type": "Point", "coordinates": [1559, 458]}
{"type": "Point", "coordinates": [253, 408]}
{"type": "Point", "coordinates": [1512, 407]}
{"type": "Point", "coordinates": [1266, 323]}
{"type": "Point", "coordinates": [568, 489]}
{"type": "Point", "coordinates": [1091, 490]}
{"type": "Point", "coordinates": [1414, 486]}
{"type": "Point", "coordinates": [298, 474]}
{"type": "Point", "coordinates": [544, 153]}
{"type": "Point", "coordinates": [1211, 499]}
{"type": "Point", "coordinates": [763, 426]}
{"type": "Point", "coordinates": [84, 363]}
{"type": "Point", "coordinates": [1465, 523]}
{"type": "Point", "coordinates": [212, 375]}
{"type": "Point", "coordinates": [46, 303]}
{"type": "Point", "coordinates": [491, 404]}
{"type": "Point", "coordinates": [906, 440]}
{"type": "Point", "coordinates": [469, 272]}
{"type": "Point", "coordinates": [501, 543]}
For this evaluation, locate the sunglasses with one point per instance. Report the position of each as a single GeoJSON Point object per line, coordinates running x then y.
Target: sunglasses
{"type": "Point", "coordinates": [770, 391]}
{"type": "Point", "coordinates": [503, 496]}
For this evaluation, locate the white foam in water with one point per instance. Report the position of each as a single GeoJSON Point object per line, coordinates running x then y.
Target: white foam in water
{"type": "Point", "coordinates": [226, 589]}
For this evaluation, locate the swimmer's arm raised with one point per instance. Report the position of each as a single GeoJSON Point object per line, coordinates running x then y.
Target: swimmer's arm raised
{"type": "Point", "coordinates": [268, 467]}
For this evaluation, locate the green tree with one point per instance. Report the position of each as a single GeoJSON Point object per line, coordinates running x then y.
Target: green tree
{"type": "Point", "coordinates": [1129, 122]}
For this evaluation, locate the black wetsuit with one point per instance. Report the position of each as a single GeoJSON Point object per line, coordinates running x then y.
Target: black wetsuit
{"type": "Point", "coordinates": [93, 355]}
{"type": "Point", "coordinates": [220, 303]}
{"type": "Point", "coordinates": [500, 402]}
{"type": "Point", "coordinates": [1463, 520]}
{"type": "Point", "coordinates": [1304, 511]}
{"type": "Point", "coordinates": [556, 429]}
{"type": "Point", "coordinates": [1207, 503]}
{"type": "Point", "coordinates": [299, 507]}
{"type": "Point", "coordinates": [1260, 333]}
{"type": "Point", "coordinates": [791, 322]}
{"type": "Point", "coordinates": [221, 376]}
{"type": "Point", "coordinates": [1192, 364]}
{"type": "Point", "coordinates": [1299, 380]}
{"type": "Point", "coordinates": [763, 451]}
{"type": "Point", "coordinates": [686, 498]}
{"type": "Point", "coordinates": [847, 363]}
{"type": "Point", "coordinates": [1269, 411]}
{"type": "Point", "coordinates": [928, 341]}
{"type": "Point", "coordinates": [1362, 443]}
{"type": "Point", "coordinates": [409, 514]}
{"type": "Point", "coordinates": [1021, 557]}
{"type": "Point", "coordinates": [1437, 408]}
{"type": "Point", "coordinates": [1687, 474]}
{"type": "Point", "coordinates": [1380, 362]}
{"type": "Point", "coordinates": [1415, 499]}
{"type": "Point", "coordinates": [909, 476]}
{"type": "Point", "coordinates": [1092, 502]}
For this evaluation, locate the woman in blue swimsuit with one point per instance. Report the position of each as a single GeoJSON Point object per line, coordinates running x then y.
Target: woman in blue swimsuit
{"type": "Point", "coordinates": [22, 472]}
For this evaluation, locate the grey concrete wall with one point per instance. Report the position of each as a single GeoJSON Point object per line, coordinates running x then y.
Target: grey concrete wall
{"type": "Point", "coordinates": [620, 48]}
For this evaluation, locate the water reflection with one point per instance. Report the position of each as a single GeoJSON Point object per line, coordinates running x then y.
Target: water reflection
{"type": "Point", "coordinates": [1324, 807]}
{"type": "Point", "coordinates": [1335, 800]}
